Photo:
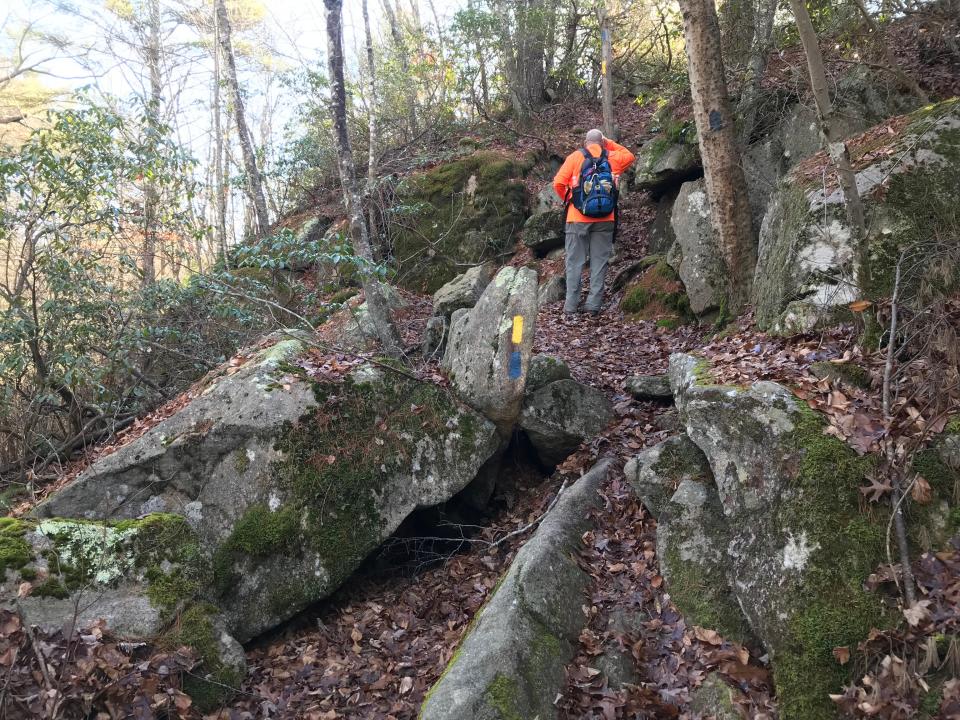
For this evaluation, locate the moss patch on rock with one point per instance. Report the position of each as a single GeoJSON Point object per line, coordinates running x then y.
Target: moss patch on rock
{"type": "Point", "coordinates": [335, 462]}
{"type": "Point", "coordinates": [502, 695]}
{"type": "Point", "coordinates": [658, 294]}
{"type": "Point", "coordinates": [458, 213]}
{"type": "Point", "coordinates": [15, 551]}
{"type": "Point", "coordinates": [833, 608]}
{"type": "Point", "coordinates": [195, 628]}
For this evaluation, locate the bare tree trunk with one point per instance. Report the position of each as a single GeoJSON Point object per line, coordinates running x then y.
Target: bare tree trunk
{"type": "Point", "coordinates": [220, 184]}
{"type": "Point", "coordinates": [151, 196]}
{"type": "Point", "coordinates": [833, 141]}
{"type": "Point", "coordinates": [763, 32]}
{"type": "Point", "coordinates": [254, 179]}
{"type": "Point", "coordinates": [376, 302]}
{"type": "Point", "coordinates": [396, 32]}
{"type": "Point", "coordinates": [482, 64]}
{"type": "Point", "coordinates": [373, 127]}
{"type": "Point", "coordinates": [606, 73]}
{"type": "Point", "coordinates": [726, 184]}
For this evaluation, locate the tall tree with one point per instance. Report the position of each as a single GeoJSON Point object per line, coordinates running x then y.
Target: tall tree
{"type": "Point", "coordinates": [400, 47]}
{"type": "Point", "coordinates": [376, 302]}
{"type": "Point", "coordinates": [151, 195]}
{"type": "Point", "coordinates": [726, 184]}
{"type": "Point", "coordinates": [832, 138]}
{"type": "Point", "coordinates": [373, 123]}
{"type": "Point", "coordinates": [252, 171]}
{"type": "Point", "coordinates": [606, 70]}
{"type": "Point", "coordinates": [220, 181]}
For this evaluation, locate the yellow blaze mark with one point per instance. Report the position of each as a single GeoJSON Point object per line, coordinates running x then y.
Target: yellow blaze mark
{"type": "Point", "coordinates": [517, 329]}
{"type": "Point", "coordinates": [603, 67]}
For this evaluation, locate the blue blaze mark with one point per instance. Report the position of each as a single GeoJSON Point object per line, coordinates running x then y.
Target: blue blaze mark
{"type": "Point", "coordinates": [515, 365]}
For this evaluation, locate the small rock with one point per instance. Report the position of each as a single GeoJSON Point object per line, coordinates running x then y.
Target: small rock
{"type": "Point", "coordinates": [618, 668]}
{"type": "Point", "coordinates": [463, 291]}
{"type": "Point", "coordinates": [650, 387]}
{"type": "Point", "coordinates": [561, 415]}
{"type": "Point", "coordinates": [545, 369]}
{"type": "Point", "coordinates": [435, 337]}
{"type": "Point", "coordinates": [544, 231]}
{"type": "Point", "coordinates": [715, 698]}
{"type": "Point", "coordinates": [552, 290]}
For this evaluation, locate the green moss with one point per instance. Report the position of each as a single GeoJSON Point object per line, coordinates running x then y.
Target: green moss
{"type": "Point", "coordinates": [241, 462]}
{"type": "Point", "coordinates": [11, 496]}
{"type": "Point", "coordinates": [217, 682]}
{"type": "Point", "coordinates": [502, 696]}
{"type": "Point", "coordinates": [51, 588]}
{"type": "Point", "coordinates": [15, 551]}
{"type": "Point", "coordinates": [834, 608]}
{"type": "Point", "coordinates": [704, 599]}
{"type": "Point", "coordinates": [445, 219]}
{"type": "Point", "coordinates": [335, 462]}
{"type": "Point", "coordinates": [658, 292]}
{"type": "Point", "coordinates": [850, 373]}
{"type": "Point", "coordinates": [670, 323]}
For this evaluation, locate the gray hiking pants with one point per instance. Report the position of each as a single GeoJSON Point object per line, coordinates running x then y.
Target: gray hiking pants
{"type": "Point", "coordinates": [583, 239]}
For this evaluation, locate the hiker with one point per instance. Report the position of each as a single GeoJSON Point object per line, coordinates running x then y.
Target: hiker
{"type": "Point", "coordinates": [587, 184]}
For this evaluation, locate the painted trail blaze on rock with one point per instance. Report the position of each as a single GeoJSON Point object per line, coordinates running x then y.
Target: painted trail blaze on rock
{"type": "Point", "coordinates": [515, 355]}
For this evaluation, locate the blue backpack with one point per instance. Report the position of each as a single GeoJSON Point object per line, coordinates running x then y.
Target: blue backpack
{"type": "Point", "coordinates": [596, 194]}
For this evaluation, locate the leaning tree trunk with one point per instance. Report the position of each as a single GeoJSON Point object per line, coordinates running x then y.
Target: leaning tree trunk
{"type": "Point", "coordinates": [832, 138]}
{"type": "Point", "coordinates": [220, 183]}
{"type": "Point", "coordinates": [376, 302]}
{"type": "Point", "coordinates": [726, 184]}
{"type": "Point", "coordinates": [254, 179]}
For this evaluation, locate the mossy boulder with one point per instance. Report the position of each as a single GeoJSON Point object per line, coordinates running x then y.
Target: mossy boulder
{"type": "Point", "coordinates": [545, 369]}
{"type": "Point", "coordinates": [143, 577]}
{"type": "Point", "coordinates": [286, 483]}
{"type": "Point", "coordinates": [933, 523]}
{"type": "Point", "coordinates": [510, 664]}
{"type": "Point", "coordinates": [561, 415]}
{"type": "Point", "coordinates": [676, 485]}
{"type": "Point", "coordinates": [805, 273]}
{"type": "Point", "coordinates": [464, 211]}
{"type": "Point", "coordinates": [800, 546]}
{"type": "Point", "coordinates": [668, 159]}
{"type": "Point", "coordinates": [544, 231]}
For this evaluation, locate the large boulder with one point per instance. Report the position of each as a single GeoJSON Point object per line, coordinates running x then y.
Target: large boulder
{"type": "Point", "coordinates": [661, 237]}
{"type": "Point", "coordinates": [695, 255]}
{"type": "Point", "coordinates": [142, 577]}
{"type": "Point", "coordinates": [544, 231]}
{"type": "Point", "coordinates": [462, 211]}
{"type": "Point", "coordinates": [562, 414]}
{"type": "Point", "coordinates": [668, 160]}
{"type": "Point", "coordinates": [463, 291]}
{"type": "Point", "coordinates": [287, 483]}
{"type": "Point", "coordinates": [511, 662]}
{"type": "Point", "coordinates": [487, 367]}
{"type": "Point", "coordinates": [805, 272]}
{"type": "Point", "coordinates": [674, 481]}
{"type": "Point", "coordinates": [798, 547]}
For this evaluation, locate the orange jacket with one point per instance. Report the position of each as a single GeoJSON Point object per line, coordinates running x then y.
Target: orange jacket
{"type": "Point", "coordinates": [568, 177]}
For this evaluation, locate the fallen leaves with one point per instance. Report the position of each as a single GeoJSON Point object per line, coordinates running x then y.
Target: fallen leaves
{"type": "Point", "coordinates": [88, 673]}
